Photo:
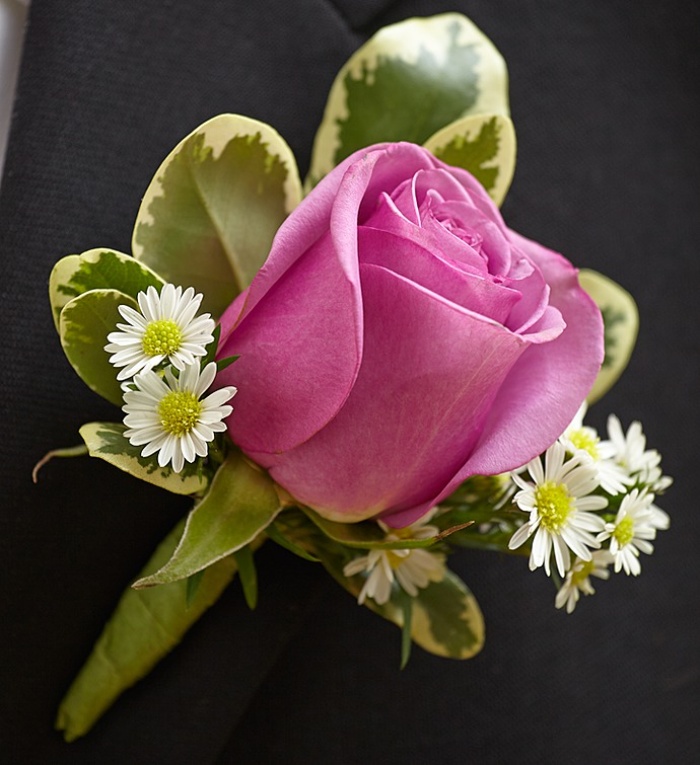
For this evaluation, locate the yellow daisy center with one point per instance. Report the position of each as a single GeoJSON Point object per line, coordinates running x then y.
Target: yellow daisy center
{"type": "Point", "coordinates": [624, 531]}
{"type": "Point", "coordinates": [582, 439]}
{"type": "Point", "coordinates": [179, 412]}
{"type": "Point", "coordinates": [554, 503]}
{"type": "Point", "coordinates": [162, 337]}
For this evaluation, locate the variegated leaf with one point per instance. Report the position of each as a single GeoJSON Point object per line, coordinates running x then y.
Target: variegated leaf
{"type": "Point", "coordinates": [621, 321]}
{"type": "Point", "coordinates": [366, 535]}
{"type": "Point", "coordinates": [406, 83]}
{"type": "Point", "coordinates": [84, 324]}
{"type": "Point", "coordinates": [106, 441]}
{"type": "Point", "coordinates": [241, 502]}
{"type": "Point", "coordinates": [96, 269]}
{"type": "Point", "coordinates": [446, 619]}
{"type": "Point", "coordinates": [483, 144]}
{"type": "Point", "coordinates": [208, 218]}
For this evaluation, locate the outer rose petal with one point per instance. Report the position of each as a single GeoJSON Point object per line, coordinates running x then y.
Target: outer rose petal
{"type": "Point", "coordinates": [543, 391]}
{"type": "Point", "coordinates": [429, 375]}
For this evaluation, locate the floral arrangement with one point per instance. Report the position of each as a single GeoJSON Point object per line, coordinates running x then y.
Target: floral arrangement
{"type": "Point", "coordinates": [371, 370]}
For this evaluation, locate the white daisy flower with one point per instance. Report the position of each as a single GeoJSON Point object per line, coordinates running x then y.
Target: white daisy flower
{"type": "Point", "coordinates": [631, 531]}
{"type": "Point", "coordinates": [578, 437]}
{"type": "Point", "coordinates": [165, 328]}
{"type": "Point", "coordinates": [412, 569]}
{"type": "Point", "coordinates": [631, 453]}
{"type": "Point", "coordinates": [169, 416]}
{"type": "Point", "coordinates": [578, 579]}
{"type": "Point", "coordinates": [559, 500]}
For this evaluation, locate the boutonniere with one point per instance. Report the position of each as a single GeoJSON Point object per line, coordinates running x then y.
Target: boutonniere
{"type": "Point", "coordinates": [370, 369]}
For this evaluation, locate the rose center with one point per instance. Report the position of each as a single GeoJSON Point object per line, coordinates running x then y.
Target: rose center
{"type": "Point", "coordinates": [624, 531]}
{"type": "Point", "coordinates": [554, 504]}
{"type": "Point", "coordinates": [161, 338]}
{"type": "Point", "coordinates": [179, 412]}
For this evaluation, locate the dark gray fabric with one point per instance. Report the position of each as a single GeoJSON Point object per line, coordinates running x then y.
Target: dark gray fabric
{"type": "Point", "coordinates": [604, 99]}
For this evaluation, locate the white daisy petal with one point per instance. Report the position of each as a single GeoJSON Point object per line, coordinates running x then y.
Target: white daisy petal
{"type": "Point", "coordinates": [166, 327]}
{"type": "Point", "coordinates": [166, 416]}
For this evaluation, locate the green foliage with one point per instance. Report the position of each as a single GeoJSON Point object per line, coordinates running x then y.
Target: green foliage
{"type": "Point", "coordinates": [97, 269]}
{"type": "Point", "coordinates": [401, 100]}
{"type": "Point", "coordinates": [241, 503]}
{"type": "Point", "coordinates": [365, 535]}
{"type": "Point", "coordinates": [248, 575]}
{"type": "Point", "coordinates": [146, 625]}
{"type": "Point", "coordinates": [406, 83]}
{"type": "Point", "coordinates": [473, 155]}
{"type": "Point", "coordinates": [106, 441]}
{"type": "Point", "coordinates": [621, 323]}
{"type": "Point", "coordinates": [209, 216]}
{"type": "Point", "coordinates": [446, 619]}
{"type": "Point", "coordinates": [84, 325]}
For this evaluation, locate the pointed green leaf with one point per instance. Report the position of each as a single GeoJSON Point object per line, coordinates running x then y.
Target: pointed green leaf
{"type": "Point", "coordinates": [96, 270]}
{"type": "Point", "coordinates": [366, 535]}
{"type": "Point", "coordinates": [283, 541]}
{"type": "Point", "coordinates": [83, 326]}
{"type": "Point", "coordinates": [621, 320]}
{"type": "Point", "coordinates": [406, 83]}
{"type": "Point", "coordinates": [208, 218]}
{"type": "Point", "coordinates": [483, 144]}
{"type": "Point", "coordinates": [241, 503]}
{"type": "Point", "coordinates": [106, 440]}
{"type": "Point", "coordinates": [248, 575]}
{"type": "Point", "coordinates": [446, 619]}
{"type": "Point", "coordinates": [146, 625]}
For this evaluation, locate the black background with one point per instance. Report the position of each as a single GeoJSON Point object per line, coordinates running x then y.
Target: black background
{"type": "Point", "coordinates": [605, 102]}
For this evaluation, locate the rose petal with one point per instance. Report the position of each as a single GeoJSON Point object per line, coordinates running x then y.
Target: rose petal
{"type": "Point", "coordinates": [430, 372]}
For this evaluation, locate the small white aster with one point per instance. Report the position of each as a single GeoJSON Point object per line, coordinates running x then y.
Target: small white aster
{"type": "Point", "coordinates": [411, 569]}
{"type": "Point", "coordinates": [631, 531]}
{"type": "Point", "coordinates": [631, 453]}
{"type": "Point", "coordinates": [559, 500]}
{"type": "Point", "coordinates": [578, 579]}
{"type": "Point", "coordinates": [165, 328]}
{"type": "Point", "coordinates": [169, 416]}
{"type": "Point", "coordinates": [581, 438]}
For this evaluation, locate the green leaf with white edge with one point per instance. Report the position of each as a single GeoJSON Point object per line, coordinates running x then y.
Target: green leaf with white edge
{"type": "Point", "coordinates": [483, 144]}
{"type": "Point", "coordinates": [621, 321]}
{"type": "Point", "coordinates": [241, 503]}
{"type": "Point", "coordinates": [406, 83]}
{"type": "Point", "coordinates": [84, 324]}
{"type": "Point", "coordinates": [97, 269]}
{"type": "Point", "coordinates": [208, 218]}
{"type": "Point", "coordinates": [446, 618]}
{"type": "Point", "coordinates": [106, 441]}
{"type": "Point", "coordinates": [146, 625]}
{"type": "Point", "coordinates": [366, 535]}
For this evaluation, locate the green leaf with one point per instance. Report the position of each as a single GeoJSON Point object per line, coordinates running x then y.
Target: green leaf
{"type": "Point", "coordinates": [283, 541]}
{"type": "Point", "coordinates": [406, 83]}
{"type": "Point", "coordinates": [106, 440]}
{"type": "Point", "coordinates": [405, 602]}
{"type": "Point", "coordinates": [84, 324]}
{"type": "Point", "coordinates": [484, 145]}
{"type": "Point", "coordinates": [208, 218]}
{"type": "Point", "coordinates": [241, 503]}
{"type": "Point", "coordinates": [223, 363]}
{"type": "Point", "coordinates": [249, 577]}
{"type": "Point", "coordinates": [621, 321]}
{"type": "Point", "coordinates": [366, 535]}
{"type": "Point", "coordinates": [96, 270]}
{"type": "Point", "coordinates": [146, 625]}
{"type": "Point", "coordinates": [446, 619]}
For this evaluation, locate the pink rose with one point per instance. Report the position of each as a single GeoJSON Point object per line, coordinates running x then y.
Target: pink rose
{"type": "Point", "coordinates": [400, 339]}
